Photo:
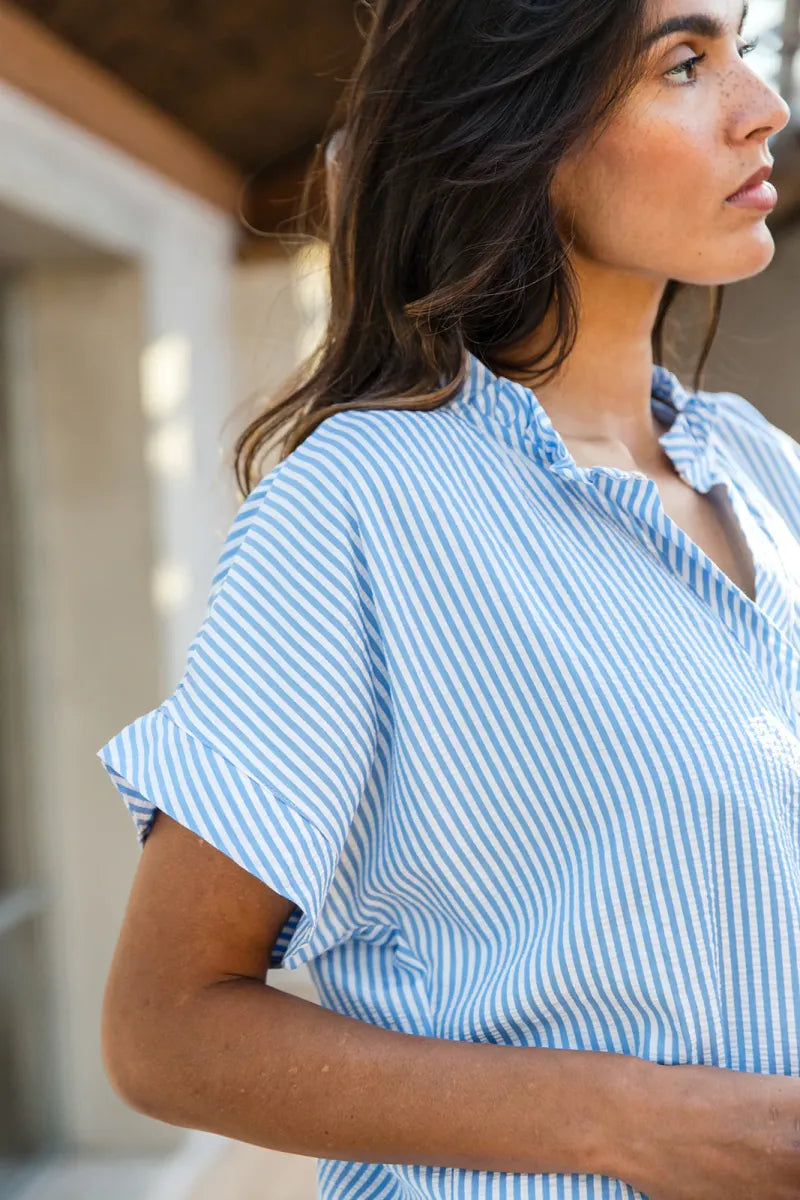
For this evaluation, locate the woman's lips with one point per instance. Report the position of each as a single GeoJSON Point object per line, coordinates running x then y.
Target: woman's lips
{"type": "Point", "coordinates": [763, 196]}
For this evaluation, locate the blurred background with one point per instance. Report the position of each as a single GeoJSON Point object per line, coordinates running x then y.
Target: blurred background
{"type": "Point", "coordinates": [140, 148]}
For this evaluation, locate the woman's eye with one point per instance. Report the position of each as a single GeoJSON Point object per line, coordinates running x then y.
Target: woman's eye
{"type": "Point", "coordinates": [689, 64]}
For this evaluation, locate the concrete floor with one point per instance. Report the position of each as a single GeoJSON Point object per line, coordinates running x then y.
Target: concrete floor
{"type": "Point", "coordinates": [252, 1173]}
{"type": "Point", "coordinates": [92, 1179]}
{"type": "Point", "coordinates": [241, 1172]}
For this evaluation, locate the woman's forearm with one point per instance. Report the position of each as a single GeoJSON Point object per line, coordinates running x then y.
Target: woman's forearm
{"type": "Point", "coordinates": [251, 1062]}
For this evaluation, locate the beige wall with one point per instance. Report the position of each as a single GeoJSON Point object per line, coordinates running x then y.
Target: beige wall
{"type": "Point", "coordinates": [82, 491]}
{"type": "Point", "coordinates": [116, 386]}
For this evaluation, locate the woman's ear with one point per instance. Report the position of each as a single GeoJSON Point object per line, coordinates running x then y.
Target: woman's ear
{"type": "Point", "coordinates": [332, 167]}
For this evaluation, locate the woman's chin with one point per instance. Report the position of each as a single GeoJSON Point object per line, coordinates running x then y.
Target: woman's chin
{"type": "Point", "coordinates": [747, 254]}
{"type": "Point", "coordinates": [757, 251]}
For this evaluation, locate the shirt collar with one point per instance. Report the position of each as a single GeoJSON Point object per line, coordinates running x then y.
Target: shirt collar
{"type": "Point", "coordinates": [512, 411]}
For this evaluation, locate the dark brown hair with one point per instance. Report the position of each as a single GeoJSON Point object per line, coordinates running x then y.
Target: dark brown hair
{"type": "Point", "coordinates": [438, 216]}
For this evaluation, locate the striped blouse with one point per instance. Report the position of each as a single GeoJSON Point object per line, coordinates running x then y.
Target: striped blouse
{"type": "Point", "coordinates": [524, 758]}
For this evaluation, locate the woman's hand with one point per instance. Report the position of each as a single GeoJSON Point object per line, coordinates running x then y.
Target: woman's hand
{"type": "Point", "coordinates": [709, 1133]}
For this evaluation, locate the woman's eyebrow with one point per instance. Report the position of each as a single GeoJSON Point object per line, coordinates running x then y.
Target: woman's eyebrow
{"type": "Point", "coordinates": [702, 24]}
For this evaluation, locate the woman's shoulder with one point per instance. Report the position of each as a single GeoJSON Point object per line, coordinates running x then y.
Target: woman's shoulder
{"type": "Point", "coordinates": [370, 453]}
{"type": "Point", "coordinates": [750, 436]}
{"type": "Point", "coordinates": [766, 453]}
{"type": "Point", "coordinates": [739, 413]}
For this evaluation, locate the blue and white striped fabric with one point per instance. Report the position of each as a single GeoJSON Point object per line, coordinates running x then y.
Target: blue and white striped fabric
{"type": "Point", "coordinates": [526, 760]}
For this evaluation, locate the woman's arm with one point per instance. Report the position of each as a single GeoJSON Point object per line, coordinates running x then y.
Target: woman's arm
{"type": "Point", "coordinates": [194, 1037]}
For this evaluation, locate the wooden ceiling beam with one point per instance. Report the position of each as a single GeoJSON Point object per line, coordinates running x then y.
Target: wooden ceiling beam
{"type": "Point", "coordinates": [37, 62]}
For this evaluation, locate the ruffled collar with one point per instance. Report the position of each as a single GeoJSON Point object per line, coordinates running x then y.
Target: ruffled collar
{"type": "Point", "coordinates": [512, 411]}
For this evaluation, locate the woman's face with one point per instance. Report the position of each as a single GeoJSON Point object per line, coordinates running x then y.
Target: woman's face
{"type": "Point", "coordinates": [649, 194]}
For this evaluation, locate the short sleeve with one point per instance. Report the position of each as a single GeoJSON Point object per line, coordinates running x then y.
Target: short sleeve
{"type": "Point", "coordinates": [276, 731]}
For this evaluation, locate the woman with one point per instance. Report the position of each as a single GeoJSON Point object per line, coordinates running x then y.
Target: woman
{"type": "Point", "coordinates": [493, 719]}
